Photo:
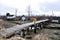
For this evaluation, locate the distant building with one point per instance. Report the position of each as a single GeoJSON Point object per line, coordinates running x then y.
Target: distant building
{"type": "Point", "coordinates": [23, 17]}
{"type": "Point", "coordinates": [56, 19]}
{"type": "Point", "coordinates": [10, 17]}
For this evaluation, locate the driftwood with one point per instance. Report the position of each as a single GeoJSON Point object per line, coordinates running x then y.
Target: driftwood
{"type": "Point", "coordinates": [10, 31]}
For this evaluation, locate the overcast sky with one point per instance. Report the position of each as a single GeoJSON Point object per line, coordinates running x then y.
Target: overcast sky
{"type": "Point", "coordinates": [39, 7]}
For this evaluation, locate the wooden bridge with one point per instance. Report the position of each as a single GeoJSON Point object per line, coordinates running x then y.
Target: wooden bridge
{"type": "Point", "coordinates": [10, 31]}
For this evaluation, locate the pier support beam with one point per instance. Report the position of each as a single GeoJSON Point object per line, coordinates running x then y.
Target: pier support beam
{"type": "Point", "coordinates": [33, 28]}
{"type": "Point", "coordinates": [22, 33]}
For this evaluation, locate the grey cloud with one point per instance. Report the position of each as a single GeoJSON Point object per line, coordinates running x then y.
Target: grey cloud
{"type": "Point", "coordinates": [4, 9]}
{"type": "Point", "coordinates": [50, 6]}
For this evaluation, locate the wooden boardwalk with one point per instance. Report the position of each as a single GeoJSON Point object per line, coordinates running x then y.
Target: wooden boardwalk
{"type": "Point", "coordinates": [12, 30]}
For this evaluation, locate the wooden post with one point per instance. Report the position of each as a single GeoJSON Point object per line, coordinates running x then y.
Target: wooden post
{"type": "Point", "coordinates": [22, 34]}
{"type": "Point", "coordinates": [35, 28]}
{"type": "Point", "coordinates": [41, 25]}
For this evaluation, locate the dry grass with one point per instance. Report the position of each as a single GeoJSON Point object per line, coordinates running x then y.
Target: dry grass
{"type": "Point", "coordinates": [41, 37]}
{"type": "Point", "coordinates": [9, 24]}
{"type": "Point", "coordinates": [1, 38]}
{"type": "Point", "coordinates": [2, 25]}
{"type": "Point", "coordinates": [5, 24]}
{"type": "Point", "coordinates": [16, 37]}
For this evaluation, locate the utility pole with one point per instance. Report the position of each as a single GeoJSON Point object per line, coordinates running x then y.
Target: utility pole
{"type": "Point", "coordinates": [52, 13]}
{"type": "Point", "coordinates": [15, 12]}
{"type": "Point", "coordinates": [29, 11]}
